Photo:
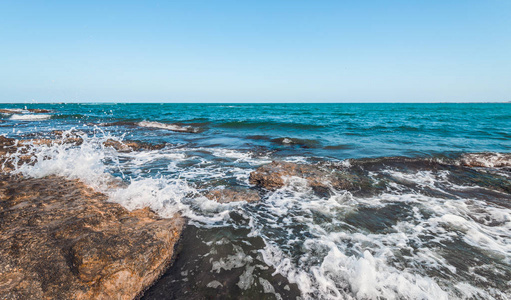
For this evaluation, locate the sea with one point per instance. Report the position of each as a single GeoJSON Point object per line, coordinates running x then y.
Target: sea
{"type": "Point", "coordinates": [429, 217]}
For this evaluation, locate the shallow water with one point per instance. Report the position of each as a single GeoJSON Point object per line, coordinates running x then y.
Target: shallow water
{"type": "Point", "coordinates": [419, 224]}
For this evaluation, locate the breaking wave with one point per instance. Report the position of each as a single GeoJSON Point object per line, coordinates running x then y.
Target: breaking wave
{"type": "Point", "coordinates": [420, 233]}
{"type": "Point", "coordinates": [30, 117]}
{"type": "Point", "coordinates": [171, 127]}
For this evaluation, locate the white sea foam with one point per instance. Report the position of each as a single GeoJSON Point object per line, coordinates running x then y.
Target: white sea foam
{"type": "Point", "coordinates": [30, 117]}
{"type": "Point", "coordinates": [356, 264]}
{"type": "Point", "coordinates": [93, 164]}
{"type": "Point", "coordinates": [171, 127]}
{"type": "Point", "coordinates": [489, 159]}
{"type": "Point", "coordinates": [311, 241]}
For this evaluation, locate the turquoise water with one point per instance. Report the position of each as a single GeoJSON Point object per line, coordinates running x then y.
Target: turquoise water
{"type": "Point", "coordinates": [427, 216]}
{"type": "Point", "coordinates": [324, 130]}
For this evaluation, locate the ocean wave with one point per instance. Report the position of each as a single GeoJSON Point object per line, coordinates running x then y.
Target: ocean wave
{"type": "Point", "coordinates": [487, 159]}
{"type": "Point", "coordinates": [171, 127]}
{"type": "Point", "coordinates": [30, 117]}
{"type": "Point", "coordinates": [95, 164]}
{"type": "Point", "coordinates": [155, 125]}
{"type": "Point", "coordinates": [11, 111]}
{"type": "Point", "coordinates": [25, 110]}
{"type": "Point", "coordinates": [367, 248]}
{"type": "Point", "coordinates": [426, 230]}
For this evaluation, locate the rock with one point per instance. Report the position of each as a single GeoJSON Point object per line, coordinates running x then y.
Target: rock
{"type": "Point", "coordinates": [32, 110]}
{"type": "Point", "coordinates": [7, 146]}
{"type": "Point", "coordinates": [233, 195]}
{"type": "Point", "coordinates": [488, 160]}
{"type": "Point", "coordinates": [127, 146]}
{"type": "Point", "coordinates": [273, 176]}
{"type": "Point", "coordinates": [76, 140]}
{"type": "Point", "coordinates": [62, 240]}
{"type": "Point", "coordinates": [6, 142]}
{"type": "Point", "coordinates": [39, 111]}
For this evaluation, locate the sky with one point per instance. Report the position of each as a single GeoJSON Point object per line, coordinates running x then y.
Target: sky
{"type": "Point", "coordinates": [255, 51]}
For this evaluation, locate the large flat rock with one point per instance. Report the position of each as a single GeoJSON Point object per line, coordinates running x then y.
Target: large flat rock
{"type": "Point", "coordinates": [62, 240]}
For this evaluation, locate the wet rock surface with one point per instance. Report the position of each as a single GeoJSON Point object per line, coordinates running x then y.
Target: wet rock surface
{"type": "Point", "coordinates": [233, 195]}
{"type": "Point", "coordinates": [491, 160]}
{"type": "Point", "coordinates": [33, 110]}
{"type": "Point", "coordinates": [321, 178]}
{"type": "Point", "coordinates": [127, 146]}
{"type": "Point", "coordinates": [63, 240]}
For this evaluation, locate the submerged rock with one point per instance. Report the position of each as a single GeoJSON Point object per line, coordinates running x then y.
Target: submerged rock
{"type": "Point", "coordinates": [321, 178]}
{"type": "Point", "coordinates": [39, 110]}
{"type": "Point", "coordinates": [8, 111]}
{"type": "Point", "coordinates": [63, 240]}
{"type": "Point", "coordinates": [32, 110]}
{"type": "Point", "coordinates": [304, 143]}
{"type": "Point", "coordinates": [233, 195]}
{"type": "Point", "coordinates": [127, 146]}
{"type": "Point", "coordinates": [488, 160]}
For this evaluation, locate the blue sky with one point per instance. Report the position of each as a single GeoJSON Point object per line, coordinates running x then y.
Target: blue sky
{"type": "Point", "coordinates": [255, 51]}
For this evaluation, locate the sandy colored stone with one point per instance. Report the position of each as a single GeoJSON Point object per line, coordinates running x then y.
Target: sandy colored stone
{"type": "Point", "coordinates": [63, 240]}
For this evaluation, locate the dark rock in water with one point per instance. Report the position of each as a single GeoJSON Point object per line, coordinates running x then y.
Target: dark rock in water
{"type": "Point", "coordinates": [39, 110]}
{"type": "Point", "coordinates": [321, 178]}
{"type": "Point", "coordinates": [32, 110]}
{"type": "Point", "coordinates": [7, 111]}
{"type": "Point", "coordinates": [233, 195]}
{"type": "Point", "coordinates": [63, 240]}
{"type": "Point", "coordinates": [304, 143]}
{"type": "Point", "coordinates": [6, 142]}
{"type": "Point", "coordinates": [127, 146]}
{"type": "Point", "coordinates": [7, 146]}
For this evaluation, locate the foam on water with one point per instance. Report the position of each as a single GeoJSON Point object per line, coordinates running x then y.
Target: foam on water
{"type": "Point", "coordinates": [407, 259]}
{"type": "Point", "coordinates": [95, 164]}
{"type": "Point", "coordinates": [171, 127]}
{"type": "Point", "coordinates": [489, 159]}
{"type": "Point", "coordinates": [397, 244]}
{"type": "Point", "coordinates": [30, 117]}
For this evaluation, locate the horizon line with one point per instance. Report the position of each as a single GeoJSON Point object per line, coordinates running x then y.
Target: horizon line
{"type": "Point", "coordinates": [301, 102]}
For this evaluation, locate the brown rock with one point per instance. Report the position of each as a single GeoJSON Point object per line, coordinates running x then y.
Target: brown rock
{"type": "Point", "coordinates": [321, 178]}
{"type": "Point", "coordinates": [76, 140]}
{"type": "Point", "coordinates": [38, 110]}
{"type": "Point", "coordinates": [488, 160]}
{"type": "Point", "coordinates": [7, 146]}
{"type": "Point", "coordinates": [233, 195]}
{"type": "Point", "coordinates": [62, 240]}
{"type": "Point", "coordinates": [127, 146]}
{"type": "Point", "coordinates": [32, 110]}
{"type": "Point", "coordinates": [6, 142]}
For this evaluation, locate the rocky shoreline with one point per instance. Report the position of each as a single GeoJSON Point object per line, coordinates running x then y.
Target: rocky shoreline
{"type": "Point", "coordinates": [63, 240]}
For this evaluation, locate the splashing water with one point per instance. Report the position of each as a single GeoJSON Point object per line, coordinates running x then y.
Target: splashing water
{"type": "Point", "coordinates": [417, 228]}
